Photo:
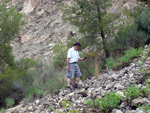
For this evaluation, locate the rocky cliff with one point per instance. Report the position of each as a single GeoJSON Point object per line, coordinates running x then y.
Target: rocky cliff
{"type": "Point", "coordinates": [45, 26]}
{"type": "Point", "coordinates": [43, 30]}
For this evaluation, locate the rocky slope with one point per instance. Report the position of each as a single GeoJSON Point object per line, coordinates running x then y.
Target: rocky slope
{"type": "Point", "coordinates": [93, 88]}
{"type": "Point", "coordinates": [45, 26]}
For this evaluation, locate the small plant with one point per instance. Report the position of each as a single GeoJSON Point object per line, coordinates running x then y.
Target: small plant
{"type": "Point", "coordinates": [144, 90]}
{"type": "Point", "coordinates": [65, 103]}
{"type": "Point", "coordinates": [74, 111]}
{"type": "Point", "coordinates": [9, 102]}
{"type": "Point", "coordinates": [110, 101]}
{"type": "Point", "coordinates": [90, 103]}
{"type": "Point", "coordinates": [132, 93]}
{"type": "Point", "coordinates": [50, 108]}
{"type": "Point", "coordinates": [2, 109]}
{"type": "Point", "coordinates": [145, 108]}
{"type": "Point", "coordinates": [110, 63]}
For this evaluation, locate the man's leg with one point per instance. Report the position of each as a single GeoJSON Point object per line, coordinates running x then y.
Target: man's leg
{"type": "Point", "coordinates": [77, 80]}
{"type": "Point", "coordinates": [78, 74]}
{"type": "Point", "coordinates": [68, 82]}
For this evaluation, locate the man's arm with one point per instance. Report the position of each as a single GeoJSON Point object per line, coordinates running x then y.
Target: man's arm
{"type": "Point", "coordinates": [80, 59]}
{"type": "Point", "coordinates": [67, 67]}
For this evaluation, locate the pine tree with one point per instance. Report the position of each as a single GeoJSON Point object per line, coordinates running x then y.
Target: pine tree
{"type": "Point", "coordinates": [92, 18]}
{"type": "Point", "coordinates": [10, 23]}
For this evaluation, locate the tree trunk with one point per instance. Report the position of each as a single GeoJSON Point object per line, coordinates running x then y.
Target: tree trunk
{"type": "Point", "coordinates": [102, 31]}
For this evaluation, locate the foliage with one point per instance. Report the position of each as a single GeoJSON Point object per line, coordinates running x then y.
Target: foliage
{"type": "Point", "coordinates": [130, 55]}
{"type": "Point", "coordinates": [60, 55]}
{"type": "Point", "coordinates": [2, 109]}
{"type": "Point", "coordinates": [89, 103]}
{"type": "Point", "coordinates": [92, 20]}
{"type": "Point", "coordinates": [110, 63]}
{"type": "Point", "coordinates": [135, 35]}
{"type": "Point", "coordinates": [145, 108]}
{"type": "Point", "coordinates": [6, 58]}
{"type": "Point", "coordinates": [64, 103]}
{"type": "Point", "coordinates": [74, 111]}
{"type": "Point", "coordinates": [34, 78]}
{"type": "Point", "coordinates": [50, 108]}
{"type": "Point", "coordinates": [9, 102]}
{"type": "Point", "coordinates": [109, 102]}
{"type": "Point", "coordinates": [10, 24]}
{"type": "Point", "coordinates": [132, 92]}
{"type": "Point", "coordinates": [87, 68]}
{"type": "Point", "coordinates": [142, 21]}
{"type": "Point", "coordinates": [144, 91]}
{"type": "Point", "coordinates": [6, 81]}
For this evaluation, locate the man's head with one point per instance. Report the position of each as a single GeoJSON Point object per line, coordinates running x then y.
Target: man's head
{"type": "Point", "coordinates": [77, 45]}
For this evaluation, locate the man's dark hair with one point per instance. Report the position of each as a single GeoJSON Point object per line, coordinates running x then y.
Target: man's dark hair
{"type": "Point", "coordinates": [77, 44]}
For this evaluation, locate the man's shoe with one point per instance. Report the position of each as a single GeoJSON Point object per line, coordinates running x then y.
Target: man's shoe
{"type": "Point", "coordinates": [69, 88]}
{"type": "Point", "coordinates": [75, 86]}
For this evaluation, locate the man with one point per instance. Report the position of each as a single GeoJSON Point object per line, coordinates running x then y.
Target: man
{"type": "Point", "coordinates": [72, 67]}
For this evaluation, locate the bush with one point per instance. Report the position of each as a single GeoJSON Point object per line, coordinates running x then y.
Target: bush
{"type": "Point", "coordinates": [145, 108]}
{"type": "Point", "coordinates": [6, 82]}
{"type": "Point", "coordinates": [132, 93]}
{"type": "Point", "coordinates": [130, 55]}
{"type": "Point", "coordinates": [87, 68]}
{"type": "Point", "coordinates": [109, 102]}
{"type": "Point", "coordinates": [6, 58]}
{"type": "Point", "coordinates": [60, 55]}
{"type": "Point", "coordinates": [9, 102]}
{"type": "Point", "coordinates": [111, 64]}
{"type": "Point", "coordinates": [135, 35]}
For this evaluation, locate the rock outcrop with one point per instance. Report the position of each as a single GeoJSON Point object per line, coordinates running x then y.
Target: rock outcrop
{"type": "Point", "coordinates": [43, 30]}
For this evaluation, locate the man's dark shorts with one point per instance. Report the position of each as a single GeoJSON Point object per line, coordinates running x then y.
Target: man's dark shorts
{"type": "Point", "coordinates": [74, 71]}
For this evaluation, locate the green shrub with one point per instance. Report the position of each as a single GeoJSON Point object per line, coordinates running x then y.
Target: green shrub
{"type": "Point", "coordinates": [60, 55]}
{"type": "Point", "coordinates": [110, 63]}
{"type": "Point", "coordinates": [2, 109]}
{"type": "Point", "coordinates": [25, 64]}
{"type": "Point", "coordinates": [132, 93]}
{"type": "Point", "coordinates": [74, 111]}
{"type": "Point", "coordinates": [9, 102]}
{"type": "Point", "coordinates": [87, 68]}
{"type": "Point", "coordinates": [6, 81]}
{"type": "Point", "coordinates": [145, 108]}
{"type": "Point", "coordinates": [89, 103]}
{"type": "Point", "coordinates": [130, 55]}
{"type": "Point", "coordinates": [64, 103]}
{"type": "Point", "coordinates": [109, 102]}
{"type": "Point", "coordinates": [6, 58]}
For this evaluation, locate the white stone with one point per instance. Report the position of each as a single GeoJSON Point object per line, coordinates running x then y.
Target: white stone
{"type": "Point", "coordinates": [27, 7]}
{"type": "Point", "coordinates": [25, 38]}
{"type": "Point", "coordinates": [116, 111]}
{"type": "Point", "coordinates": [37, 101]}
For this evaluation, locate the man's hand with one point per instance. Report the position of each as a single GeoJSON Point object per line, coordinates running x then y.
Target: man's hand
{"type": "Point", "coordinates": [67, 67]}
{"type": "Point", "coordinates": [81, 59]}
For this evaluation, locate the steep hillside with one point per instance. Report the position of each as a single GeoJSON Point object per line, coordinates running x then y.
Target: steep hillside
{"type": "Point", "coordinates": [45, 27]}
{"type": "Point", "coordinates": [80, 100]}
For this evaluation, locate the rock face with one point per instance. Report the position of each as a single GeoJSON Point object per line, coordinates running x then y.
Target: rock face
{"type": "Point", "coordinates": [43, 30]}
{"type": "Point", "coordinates": [63, 100]}
{"type": "Point", "coordinates": [45, 26]}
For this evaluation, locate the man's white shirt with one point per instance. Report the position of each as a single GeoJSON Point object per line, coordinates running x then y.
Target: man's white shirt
{"type": "Point", "coordinates": [73, 55]}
